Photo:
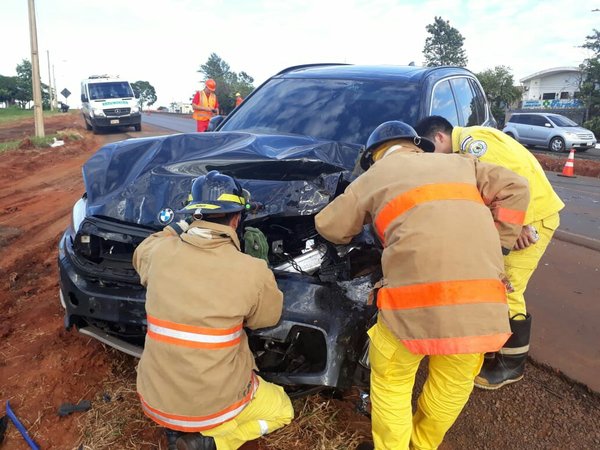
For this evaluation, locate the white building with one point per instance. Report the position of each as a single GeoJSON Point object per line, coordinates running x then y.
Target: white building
{"type": "Point", "coordinates": [552, 89]}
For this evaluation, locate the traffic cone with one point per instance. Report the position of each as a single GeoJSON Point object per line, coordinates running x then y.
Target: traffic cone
{"type": "Point", "coordinates": [569, 166]}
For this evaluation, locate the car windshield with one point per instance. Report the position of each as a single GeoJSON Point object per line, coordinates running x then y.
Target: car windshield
{"type": "Point", "coordinates": [562, 121]}
{"type": "Point", "coordinates": [338, 110]}
{"type": "Point", "coordinates": [114, 89]}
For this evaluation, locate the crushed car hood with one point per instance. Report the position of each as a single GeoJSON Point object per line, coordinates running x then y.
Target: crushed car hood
{"type": "Point", "coordinates": [138, 180]}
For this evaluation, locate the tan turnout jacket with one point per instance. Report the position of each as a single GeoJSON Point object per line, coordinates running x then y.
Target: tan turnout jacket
{"type": "Point", "coordinates": [196, 370]}
{"type": "Point", "coordinates": [442, 259]}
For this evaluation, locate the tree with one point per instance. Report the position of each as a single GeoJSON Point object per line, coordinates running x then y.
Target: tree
{"type": "Point", "coordinates": [24, 92]}
{"type": "Point", "coordinates": [590, 80]}
{"type": "Point", "coordinates": [498, 84]}
{"type": "Point", "coordinates": [445, 45]}
{"type": "Point", "coordinates": [8, 89]}
{"type": "Point", "coordinates": [145, 92]}
{"type": "Point", "coordinates": [228, 82]}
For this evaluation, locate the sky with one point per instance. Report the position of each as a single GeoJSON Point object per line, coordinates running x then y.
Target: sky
{"type": "Point", "coordinates": [165, 42]}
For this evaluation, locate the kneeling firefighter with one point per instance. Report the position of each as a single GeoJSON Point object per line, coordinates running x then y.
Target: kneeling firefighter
{"type": "Point", "coordinates": [442, 291]}
{"type": "Point", "coordinates": [196, 375]}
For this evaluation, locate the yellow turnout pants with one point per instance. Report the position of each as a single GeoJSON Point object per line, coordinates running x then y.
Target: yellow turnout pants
{"type": "Point", "coordinates": [269, 410]}
{"type": "Point", "coordinates": [447, 389]}
{"type": "Point", "coordinates": [519, 265]}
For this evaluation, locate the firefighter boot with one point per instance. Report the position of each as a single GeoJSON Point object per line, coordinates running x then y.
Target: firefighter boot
{"type": "Point", "coordinates": [509, 363]}
{"type": "Point", "coordinates": [195, 441]}
{"type": "Point", "coordinates": [172, 436]}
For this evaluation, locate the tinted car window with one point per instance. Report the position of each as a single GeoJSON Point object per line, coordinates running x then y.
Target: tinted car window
{"type": "Point", "coordinates": [538, 121]}
{"type": "Point", "coordinates": [562, 121]}
{"type": "Point", "coordinates": [442, 103]}
{"type": "Point", "coordinates": [479, 102]}
{"type": "Point", "coordinates": [338, 110]}
{"type": "Point", "coordinates": [110, 90]}
{"type": "Point", "coordinates": [465, 100]}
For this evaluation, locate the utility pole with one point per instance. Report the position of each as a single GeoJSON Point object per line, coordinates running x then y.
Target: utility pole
{"type": "Point", "coordinates": [50, 83]}
{"type": "Point", "coordinates": [38, 114]}
{"type": "Point", "coordinates": [55, 98]}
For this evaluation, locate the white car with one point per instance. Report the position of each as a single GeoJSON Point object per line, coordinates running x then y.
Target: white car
{"type": "Point", "coordinates": [553, 131]}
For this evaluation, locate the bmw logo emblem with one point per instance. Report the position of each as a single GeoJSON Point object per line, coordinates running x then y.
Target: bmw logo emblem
{"type": "Point", "coordinates": [166, 216]}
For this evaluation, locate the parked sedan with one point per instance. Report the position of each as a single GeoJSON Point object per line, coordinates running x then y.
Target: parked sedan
{"type": "Point", "coordinates": [557, 133]}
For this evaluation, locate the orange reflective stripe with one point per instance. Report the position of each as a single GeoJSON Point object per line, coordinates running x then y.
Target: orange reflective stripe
{"type": "Point", "coordinates": [457, 345]}
{"type": "Point", "coordinates": [510, 216]}
{"type": "Point", "coordinates": [443, 293]}
{"type": "Point", "coordinates": [422, 194]}
{"type": "Point", "coordinates": [199, 423]}
{"type": "Point", "coordinates": [192, 336]}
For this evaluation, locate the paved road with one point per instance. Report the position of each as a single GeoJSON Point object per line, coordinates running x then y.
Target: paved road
{"type": "Point", "coordinates": [170, 122]}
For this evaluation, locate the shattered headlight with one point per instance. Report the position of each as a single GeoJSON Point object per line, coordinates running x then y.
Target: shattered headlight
{"type": "Point", "coordinates": [79, 212]}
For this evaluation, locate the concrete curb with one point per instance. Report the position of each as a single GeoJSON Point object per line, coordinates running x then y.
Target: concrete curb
{"type": "Point", "coordinates": [577, 239]}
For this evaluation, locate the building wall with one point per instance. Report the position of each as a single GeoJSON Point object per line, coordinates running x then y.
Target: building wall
{"type": "Point", "coordinates": [565, 83]}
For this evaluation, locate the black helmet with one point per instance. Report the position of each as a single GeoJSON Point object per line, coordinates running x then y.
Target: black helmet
{"type": "Point", "coordinates": [216, 193]}
{"type": "Point", "coordinates": [388, 131]}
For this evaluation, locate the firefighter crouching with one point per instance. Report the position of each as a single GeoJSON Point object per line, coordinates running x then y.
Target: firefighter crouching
{"type": "Point", "coordinates": [443, 293]}
{"type": "Point", "coordinates": [196, 374]}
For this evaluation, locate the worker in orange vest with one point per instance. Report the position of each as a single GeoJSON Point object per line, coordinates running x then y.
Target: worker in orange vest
{"type": "Point", "coordinates": [205, 105]}
{"type": "Point", "coordinates": [238, 99]}
{"type": "Point", "coordinates": [443, 221]}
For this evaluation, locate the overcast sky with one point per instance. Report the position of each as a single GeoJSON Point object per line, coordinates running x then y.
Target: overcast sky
{"type": "Point", "coordinates": [165, 42]}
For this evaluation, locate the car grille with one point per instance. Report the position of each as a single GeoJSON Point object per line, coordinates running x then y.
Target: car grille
{"type": "Point", "coordinates": [117, 112]}
{"type": "Point", "coordinates": [587, 136]}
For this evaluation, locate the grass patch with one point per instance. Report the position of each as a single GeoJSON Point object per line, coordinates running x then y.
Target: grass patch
{"type": "Point", "coordinates": [14, 113]}
{"type": "Point", "coordinates": [9, 145]}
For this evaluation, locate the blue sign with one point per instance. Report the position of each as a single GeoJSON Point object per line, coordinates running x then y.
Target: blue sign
{"type": "Point", "coordinates": [552, 104]}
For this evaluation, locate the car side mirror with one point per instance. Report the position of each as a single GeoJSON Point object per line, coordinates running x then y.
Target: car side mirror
{"type": "Point", "coordinates": [548, 125]}
{"type": "Point", "coordinates": [136, 94]}
{"type": "Point", "coordinates": [84, 98]}
{"type": "Point", "coordinates": [214, 122]}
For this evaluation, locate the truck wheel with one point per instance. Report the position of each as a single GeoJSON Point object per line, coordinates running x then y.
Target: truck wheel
{"type": "Point", "coordinates": [557, 144]}
{"type": "Point", "coordinates": [95, 129]}
{"type": "Point", "coordinates": [138, 127]}
{"type": "Point", "coordinates": [87, 125]}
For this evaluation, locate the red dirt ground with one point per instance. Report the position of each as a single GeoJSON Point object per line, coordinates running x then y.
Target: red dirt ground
{"type": "Point", "coordinates": [42, 365]}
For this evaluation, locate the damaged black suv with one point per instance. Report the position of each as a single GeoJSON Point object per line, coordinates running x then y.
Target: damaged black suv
{"type": "Point", "coordinates": [293, 144]}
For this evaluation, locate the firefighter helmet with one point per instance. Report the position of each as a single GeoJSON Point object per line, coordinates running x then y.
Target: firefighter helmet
{"type": "Point", "coordinates": [216, 193]}
{"type": "Point", "coordinates": [389, 131]}
{"type": "Point", "coordinates": [211, 84]}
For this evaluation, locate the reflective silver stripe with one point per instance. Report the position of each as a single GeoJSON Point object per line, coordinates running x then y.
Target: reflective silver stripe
{"type": "Point", "coordinates": [208, 423]}
{"type": "Point", "coordinates": [264, 427]}
{"type": "Point", "coordinates": [514, 350]}
{"type": "Point", "coordinates": [194, 337]}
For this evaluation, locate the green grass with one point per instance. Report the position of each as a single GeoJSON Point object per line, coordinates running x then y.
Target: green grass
{"type": "Point", "coordinates": [9, 145]}
{"type": "Point", "coordinates": [14, 113]}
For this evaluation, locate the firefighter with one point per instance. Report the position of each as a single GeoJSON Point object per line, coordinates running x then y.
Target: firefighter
{"type": "Point", "coordinates": [205, 105]}
{"type": "Point", "coordinates": [238, 99]}
{"type": "Point", "coordinates": [196, 375]}
{"type": "Point", "coordinates": [541, 220]}
{"type": "Point", "coordinates": [442, 293]}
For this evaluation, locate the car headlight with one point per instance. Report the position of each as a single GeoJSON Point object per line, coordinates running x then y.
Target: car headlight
{"type": "Point", "coordinates": [571, 135]}
{"type": "Point", "coordinates": [135, 109]}
{"type": "Point", "coordinates": [98, 112]}
{"type": "Point", "coordinates": [79, 213]}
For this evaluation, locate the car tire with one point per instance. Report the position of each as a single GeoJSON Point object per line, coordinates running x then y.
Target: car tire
{"type": "Point", "coordinates": [508, 133]}
{"type": "Point", "coordinates": [138, 127]}
{"type": "Point", "coordinates": [557, 144]}
{"type": "Point", "coordinates": [95, 129]}
{"type": "Point", "coordinates": [87, 125]}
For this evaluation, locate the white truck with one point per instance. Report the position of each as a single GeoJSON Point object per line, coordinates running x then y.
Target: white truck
{"type": "Point", "coordinates": [109, 102]}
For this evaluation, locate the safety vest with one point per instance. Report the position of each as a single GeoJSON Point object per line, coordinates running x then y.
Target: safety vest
{"type": "Point", "coordinates": [238, 101]}
{"type": "Point", "coordinates": [209, 101]}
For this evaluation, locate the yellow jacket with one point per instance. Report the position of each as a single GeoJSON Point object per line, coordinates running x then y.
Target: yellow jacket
{"type": "Point", "coordinates": [493, 146]}
{"type": "Point", "coordinates": [196, 370]}
{"type": "Point", "coordinates": [442, 261]}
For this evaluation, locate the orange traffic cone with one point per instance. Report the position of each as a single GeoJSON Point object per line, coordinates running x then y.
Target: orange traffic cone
{"type": "Point", "coordinates": [569, 166]}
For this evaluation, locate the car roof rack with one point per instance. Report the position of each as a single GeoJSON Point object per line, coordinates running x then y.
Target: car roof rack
{"type": "Point", "coordinates": [305, 66]}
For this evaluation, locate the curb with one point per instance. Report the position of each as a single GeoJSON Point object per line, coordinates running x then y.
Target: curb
{"type": "Point", "coordinates": [577, 239]}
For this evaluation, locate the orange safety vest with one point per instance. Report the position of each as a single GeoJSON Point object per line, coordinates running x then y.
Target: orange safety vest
{"type": "Point", "coordinates": [209, 101]}
{"type": "Point", "coordinates": [238, 101]}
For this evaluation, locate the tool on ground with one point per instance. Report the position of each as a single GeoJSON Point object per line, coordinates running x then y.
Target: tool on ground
{"type": "Point", "coordinates": [67, 408]}
{"type": "Point", "coordinates": [20, 427]}
{"type": "Point", "coordinates": [569, 167]}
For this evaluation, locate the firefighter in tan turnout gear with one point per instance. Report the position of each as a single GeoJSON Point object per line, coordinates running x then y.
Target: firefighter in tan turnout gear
{"type": "Point", "coordinates": [541, 220]}
{"type": "Point", "coordinates": [196, 374]}
{"type": "Point", "coordinates": [441, 221]}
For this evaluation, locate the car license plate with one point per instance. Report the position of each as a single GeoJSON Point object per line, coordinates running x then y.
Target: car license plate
{"type": "Point", "coordinates": [590, 144]}
{"type": "Point", "coordinates": [113, 121]}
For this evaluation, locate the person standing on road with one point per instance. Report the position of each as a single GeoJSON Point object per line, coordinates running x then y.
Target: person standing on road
{"type": "Point", "coordinates": [205, 105]}
{"type": "Point", "coordinates": [238, 99]}
{"type": "Point", "coordinates": [542, 219]}
{"type": "Point", "coordinates": [442, 293]}
{"type": "Point", "coordinates": [196, 374]}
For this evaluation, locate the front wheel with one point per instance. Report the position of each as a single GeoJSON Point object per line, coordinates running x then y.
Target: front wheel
{"type": "Point", "coordinates": [557, 144]}
{"type": "Point", "coordinates": [138, 127]}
